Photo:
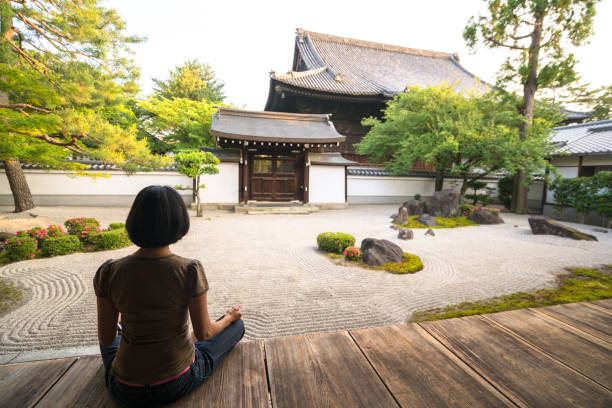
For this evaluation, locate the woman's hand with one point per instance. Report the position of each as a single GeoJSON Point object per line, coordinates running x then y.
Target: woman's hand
{"type": "Point", "coordinates": [234, 313]}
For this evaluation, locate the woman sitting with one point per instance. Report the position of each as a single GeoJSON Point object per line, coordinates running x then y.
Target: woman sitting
{"type": "Point", "coordinates": [149, 356]}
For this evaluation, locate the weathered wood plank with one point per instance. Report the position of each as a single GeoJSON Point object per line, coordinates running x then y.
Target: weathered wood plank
{"type": "Point", "coordinates": [587, 319]}
{"type": "Point", "coordinates": [240, 381]}
{"type": "Point", "coordinates": [605, 303]}
{"type": "Point", "coordinates": [524, 374]}
{"type": "Point", "coordinates": [22, 385]}
{"type": "Point", "coordinates": [82, 386]}
{"type": "Point", "coordinates": [322, 370]}
{"type": "Point", "coordinates": [578, 350]}
{"type": "Point", "coordinates": [420, 372]}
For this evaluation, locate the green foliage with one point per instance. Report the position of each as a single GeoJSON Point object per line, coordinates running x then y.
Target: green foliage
{"type": "Point", "coordinates": [549, 25]}
{"type": "Point", "coordinates": [467, 209]}
{"type": "Point", "coordinates": [112, 239]}
{"type": "Point", "coordinates": [116, 225]}
{"type": "Point", "coordinates": [472, 135]}
{"type": "Point", "coordinates": [61, 245]}
{"type": "Point", "coordinates": [21, 247]}
{"type": "Point", "coordinates": [192, 80]}
{"type": "Point", "coordinates": [579, 285]}
{"type": "Point", "coordinates": [410, 264]}
{"type": "Point", "coordinates": [9, 295]}
{"type": "Point", "coordinates": [352, 253]}
{"type": "Point", "coordinates": [485, 198]}
{"type": "Point", "coordinates": [417, 197]}
{"type": "Point", "coordinates": [193, 164]}
{"type": "Point", "coordinates": [585, 194]}
{"type": "Point", "coordinates": [334, 242]}
{"type": "Point", "coordinates": [55, 231]}
{"type": "Point", "coordinates": [178, 123]}
{"type": "Point", "coordinates": [443, 222]}
{"type": "Point", "coordinates": [83, 228]}
{"type": "Point", "coordinates": [64, 69]}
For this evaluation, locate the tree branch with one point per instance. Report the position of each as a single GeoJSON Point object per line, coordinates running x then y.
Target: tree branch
{"type": "Point", "coordinates": [501, 44]}
{"type": "Point", "coordinates": [481, 175]}
{"type": "Point", "coordinates": [21, 106]}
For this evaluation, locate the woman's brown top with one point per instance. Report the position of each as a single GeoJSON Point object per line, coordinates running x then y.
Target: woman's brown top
{"type": "Point", "coordinates": [152, 295]}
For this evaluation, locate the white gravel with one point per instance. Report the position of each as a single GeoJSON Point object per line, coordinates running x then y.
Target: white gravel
{"type": "Point", "coordinates": [269, 265]}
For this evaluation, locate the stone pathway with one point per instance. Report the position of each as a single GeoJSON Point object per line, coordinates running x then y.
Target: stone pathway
{"type": "Point", "coordinates": [269, 265]}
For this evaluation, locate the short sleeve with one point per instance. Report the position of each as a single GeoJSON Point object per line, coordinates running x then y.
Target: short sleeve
{"type": "Point", "coordinates": [195, 282]}
{"type": "Point", "coordinates": [101, 280]}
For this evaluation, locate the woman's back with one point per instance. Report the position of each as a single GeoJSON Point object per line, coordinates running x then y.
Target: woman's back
{"type": "Point", "coordinates": [152, 295]}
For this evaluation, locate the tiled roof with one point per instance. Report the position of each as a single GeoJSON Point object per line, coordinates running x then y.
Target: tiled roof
{"type": "Point", "coordinates": [347, 66]}
{"type": "Point", "coordinates": [330, 159]}
{"type": "Point", "coordinates": [584, 139]}
{"type": "Point", "coordinates": [274, 127]}
{"type": "Point", "coordinates": [378, 172]}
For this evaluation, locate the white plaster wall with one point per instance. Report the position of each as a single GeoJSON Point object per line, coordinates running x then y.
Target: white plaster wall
{"type": "Point", "coordinates": [400, 187]}
{"type": "Point", "coordinates": [326, 184]}
{"type": "Point", "coordinates": [220, 188]}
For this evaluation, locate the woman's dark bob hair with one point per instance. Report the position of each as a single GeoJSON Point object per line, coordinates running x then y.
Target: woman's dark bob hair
{"type": "Point", "coordinates": [158, 217]}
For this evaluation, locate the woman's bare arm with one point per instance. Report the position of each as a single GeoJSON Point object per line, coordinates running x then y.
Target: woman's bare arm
{"type": "Point", "coordinates": [203, 328]}
{"type": "Point", "coordinates": [107, 321]}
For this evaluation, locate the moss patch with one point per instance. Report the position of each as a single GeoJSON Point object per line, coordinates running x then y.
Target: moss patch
{"type": "Point", "coordinates": [9, 295]}
{"type": "Point", "coordinates": [410, 264]}
{"type": "Point", "coordinates": [578, 285]}
{"type": "Point", "coordinates": [443, 222]}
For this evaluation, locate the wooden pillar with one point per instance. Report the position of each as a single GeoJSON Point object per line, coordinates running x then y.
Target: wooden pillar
{"type": "Point", "coordinates": [345, 184]}
{"type": "Point", "coordinates": [306, 177]}
{"type": "Point", "coordinates": [245, 174]}
{"type": "Point", "coordinates": [580, 166]}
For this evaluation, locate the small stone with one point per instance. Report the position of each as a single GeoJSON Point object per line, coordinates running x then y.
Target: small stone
{"type": "Point", "coordinates": [4, 235]}
{"type": "Point", "coordinates": [516, 226]}
{"type": "Point", "coordinates": [485, 217]}
{"type": "Point", "coordinates": [430, 232]}
{"type": "Point", "coordinates": [402, 216]}
{"type": "Point", "coordinates": [428, 220]}
{"type": "Point", "coordinates": [395, 227]}
{"type": "Point", "coordinates": [33, 215]}
{"type": "Point", "coordinates": [600, 230]}
{"type": "Point", "coordinates": [405, 234]}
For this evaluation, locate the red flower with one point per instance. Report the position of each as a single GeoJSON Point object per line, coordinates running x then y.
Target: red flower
{"type": "Point", "coordinates": [18, 243]}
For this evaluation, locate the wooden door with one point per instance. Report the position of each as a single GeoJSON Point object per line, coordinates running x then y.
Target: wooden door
{"type": "Point", "coordinates": [276, 177]}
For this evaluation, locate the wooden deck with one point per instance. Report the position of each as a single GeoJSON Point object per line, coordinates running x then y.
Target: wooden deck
{"type": "Point", "coordinates": [558, 356]}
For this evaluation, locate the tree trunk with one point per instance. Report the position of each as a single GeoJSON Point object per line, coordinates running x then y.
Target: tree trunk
{"type": "Point", "coordinates": [519, 190]}
{"type": "Point", "coordinates": [439, 180]}
{"type": "Point", "coordinates": [197, 194]}
{"type": "Point", "coordinates": [19, 185]}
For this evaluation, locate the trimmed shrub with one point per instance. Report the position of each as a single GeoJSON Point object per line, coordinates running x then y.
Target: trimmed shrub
{"type": "Point", "coordinates": [54, 231]}
{"type": "Point", "coordinates": [38, 233]}
{"type": "Point", "coordinates": [467, 209]}
{"type": "Point", "coordinates": [352, 253]}
{"type": "Point", "coordinates": [116, 225]}
{"type": "Point", "coordinates": [61, 245]}
{"type": "Point", "coordinates": [112, 239]}
{"type": "Point", "coordinates": [410, 264]}
{"type": "Point", "coordinates": [21, 247]}
{"type": "Point", "coordinates": [82, 228]}
{"type": "Point", "coordinates": [334, 242]}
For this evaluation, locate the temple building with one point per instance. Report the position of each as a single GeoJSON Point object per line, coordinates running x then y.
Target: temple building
{"type": "Point", "coordinates": [353, 79]}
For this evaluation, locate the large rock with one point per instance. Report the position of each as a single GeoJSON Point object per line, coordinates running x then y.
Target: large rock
{"type": "Point", "coordinates": [415, 207]}
{"type": "Point", "coordinates": [545, 226]}
{"type": "Point", "coordinates": [427, 220]}
{"type": "Point", "coordinates": [377, 252]}
{"type": "Point", "coordinates": [4, 235]}
{"type": "Point", "coordinates": [485, 217]}
{"type": "Point", "coordinates": [444, 203]}
{"type": "Point", "coordinates": [405, 234]}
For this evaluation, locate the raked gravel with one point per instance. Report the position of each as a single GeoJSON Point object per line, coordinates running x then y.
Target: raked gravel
{"type": "Point", "coordinates": [270, 266]}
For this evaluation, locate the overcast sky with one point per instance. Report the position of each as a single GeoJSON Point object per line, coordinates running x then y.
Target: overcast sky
{"type": "Point", "coordinates": [244, 40]}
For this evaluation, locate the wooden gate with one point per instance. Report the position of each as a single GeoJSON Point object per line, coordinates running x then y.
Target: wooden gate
{"type": "Point", "coordinates": [276, 176]}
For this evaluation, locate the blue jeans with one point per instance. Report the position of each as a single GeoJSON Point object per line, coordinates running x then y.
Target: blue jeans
{"type": "Point", "coordinates": [208, 355]}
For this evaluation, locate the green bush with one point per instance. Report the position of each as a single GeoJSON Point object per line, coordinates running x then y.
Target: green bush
{"type": "Point", "coordinates": [443, 222]}
{"type": "Point", "coordinates": [82, 227]}
{"type": "Point", "coordinates": [334, 242]}
{"type": "Point", "coordinates": [410, 264]}
{"type": "Point", "coordinates": [21, 247]}
{"type": "Point", "coordinates": [55, 231]}
{"type": "Point", "coordinates": [112, 239]}
{"type": "Point", "coordinates": [61, 245]}
{"type": "Point", "coordinates": [116, 225]}
{"type": "Point", "coordinates": [352, 253]}
{"type": "Point", "coordinates": [467, 209]}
